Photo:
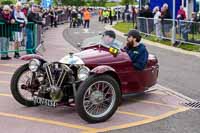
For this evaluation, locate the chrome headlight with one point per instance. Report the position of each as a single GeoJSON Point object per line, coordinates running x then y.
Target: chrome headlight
{"type": "Point", "coordinates": [72, 59]}
{"type": "Point", "coordinates": [83, 73]}
{"type": "Point", "coordinates": [34, 65]}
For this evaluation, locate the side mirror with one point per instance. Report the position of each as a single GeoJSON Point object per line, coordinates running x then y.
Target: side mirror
{"type": "Point", "coordinates": [114, 51]}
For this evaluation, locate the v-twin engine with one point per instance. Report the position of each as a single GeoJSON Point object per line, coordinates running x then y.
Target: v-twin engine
{"type": "Point", "coordinates": [56, 73]}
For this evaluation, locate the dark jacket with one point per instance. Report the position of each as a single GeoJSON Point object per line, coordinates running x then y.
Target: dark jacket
{"type": "Point", "coordinates": [5, 26]}
{"type": "Point", "coordinates": [147, 14]}
{"type": "Point", "coordinates": [138, 56]}
{"type": "Point", "coordinates": [166, 15]}
{"type": "Point", "coordinates": [34, 18]}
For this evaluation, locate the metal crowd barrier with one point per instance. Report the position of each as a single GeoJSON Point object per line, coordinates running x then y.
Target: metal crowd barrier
{"type": "Point", "coordinates": [29, 37]}
{"type": "Point", "coordinates": [12, 34]}
{"type": "Point", "coordinates": [186, 31]}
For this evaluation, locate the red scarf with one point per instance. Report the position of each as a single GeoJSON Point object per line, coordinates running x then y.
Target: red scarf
{"type": "Point", "coordinates": [6, 16]}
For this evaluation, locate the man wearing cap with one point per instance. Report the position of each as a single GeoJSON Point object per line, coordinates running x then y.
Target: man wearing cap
{"type": "Point", "coordinates": [136, 50]}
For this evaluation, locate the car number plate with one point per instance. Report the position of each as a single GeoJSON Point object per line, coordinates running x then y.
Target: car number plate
{"type": "Point", "coordinates": [44, 101]}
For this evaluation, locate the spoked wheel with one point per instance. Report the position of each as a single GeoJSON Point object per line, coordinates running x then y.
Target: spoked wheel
{"type": "Point", "coordinates": [98, 98]}
{"type": "Point", "coordinates": [22, 86]}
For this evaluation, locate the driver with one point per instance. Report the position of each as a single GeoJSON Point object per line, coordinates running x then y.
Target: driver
{"type": "Point", "coordinates": [136, 50]}
{"type": "Point", "coordinates": [108, 37]}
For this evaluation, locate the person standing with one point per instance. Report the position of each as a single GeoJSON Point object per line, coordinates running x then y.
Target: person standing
{"type": "Point", "coordinates": [20, 21]}
{"type": "Point", "coordinates": [166, 24]}
{"type": "Point", "coordinates": [157, 22]}
{"type": "Point", "coordinates": [111, 15]}
{"type": "Point", "coordinates": [181, 13]}
{"type": "Point", "coordinates": [53, 16]}
{"type": "Point", "coordinates": [181, 16]}
{"type": "Point", "coordinates": [5, 27]}
{"type": "Point", "coordinates": [34, 17]}
{"type": "Point", "coordinates": [100, 13]}
{"type": "Point", "coordinates": [86, 17]}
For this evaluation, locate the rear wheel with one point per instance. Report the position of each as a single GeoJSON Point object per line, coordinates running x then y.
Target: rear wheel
{"type": "Point", "coordinates": [98, 98]}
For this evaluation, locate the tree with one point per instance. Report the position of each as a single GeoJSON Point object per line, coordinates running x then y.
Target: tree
{"type": "Point", "coordinates": [74, 2]}
{"type": "Point", "coordinates": [125, 2]}
{"type": "Point", "coordinates": [7, 2]}
{"type": "Point", "coordinates": [37, 1]}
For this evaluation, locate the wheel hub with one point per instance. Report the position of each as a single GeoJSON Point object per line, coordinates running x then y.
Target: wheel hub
{"type": "Point", "coordinates": [96, 97]}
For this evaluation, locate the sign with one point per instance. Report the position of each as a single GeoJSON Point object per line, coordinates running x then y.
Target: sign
{"type": "Point", "coordinates": [46, 3]}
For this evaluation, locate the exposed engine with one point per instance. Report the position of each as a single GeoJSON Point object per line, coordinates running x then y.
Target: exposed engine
{"type": "Point", "coordinates": [59, 77]}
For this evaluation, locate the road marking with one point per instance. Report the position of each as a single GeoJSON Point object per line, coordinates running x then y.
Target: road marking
{"type": "Point", "coordinates": [11, 65]}
{"type": "Point", "coordinates": [5, 94]}
{"type": "Point", "coordinates": [135, 114]}
{"type": "Point", "coordinates": [120, 112]}
{"type": "Point", "coordinates": [46, 121]}
{"type": "Point", "coordinates": [135, 100]}
{"type": "Point", "coordinates": [182, 109]}
{"type": "Point", "coordinates": [123, 112]}
{"type": "Point", "coordinates": [155, 103]}
{"type": "Point", "coordinates": [4, 82]}
{"type": "Point", "coordinates": [174, 93]}
{"type": "Point", "coordinates": [9, 73]}
{"type": "Point", "coordinates": [93, 130]}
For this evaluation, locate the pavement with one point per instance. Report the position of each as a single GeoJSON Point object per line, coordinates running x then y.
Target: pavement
{"type": "Point", "coordinates": [159, 103]}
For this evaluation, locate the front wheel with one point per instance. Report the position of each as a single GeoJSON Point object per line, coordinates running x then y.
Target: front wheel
{"type": "Point", "coordinates": [21, 86]}
{"type": "Point", "coordinates": [98, 98]}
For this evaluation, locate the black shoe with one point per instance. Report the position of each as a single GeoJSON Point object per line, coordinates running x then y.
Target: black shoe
{"type": "Point", "coordinates": [6, 58]}
{"type": "Point", "coordinates": [16, 55]}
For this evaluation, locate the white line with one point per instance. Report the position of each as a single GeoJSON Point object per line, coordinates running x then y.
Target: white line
{"type": "Point", "coordinates": [177, 94]}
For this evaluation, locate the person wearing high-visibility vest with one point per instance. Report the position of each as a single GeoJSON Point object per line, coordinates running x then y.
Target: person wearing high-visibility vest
{"type": "Point", "coordinates": [111, 15]}
{"type": "Point", "coordinates": [86, 17]}
{"type": "Point", "coordinates": [105, 15]}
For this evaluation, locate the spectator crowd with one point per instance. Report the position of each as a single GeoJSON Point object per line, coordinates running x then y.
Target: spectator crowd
{"type": "Point", "coordinates": [156, 21]}
{"type": "Point", "coordinates": [17, 23]}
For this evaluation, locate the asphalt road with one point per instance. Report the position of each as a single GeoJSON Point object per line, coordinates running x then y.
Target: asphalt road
{"type": "Point", "coordinates": [178, 71]}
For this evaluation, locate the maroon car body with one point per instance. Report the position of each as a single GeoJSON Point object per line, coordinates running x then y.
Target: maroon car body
{"type": "Point", "coordinates": [100, 60]}
{"type": "Point", "coordinates": [93, 80]}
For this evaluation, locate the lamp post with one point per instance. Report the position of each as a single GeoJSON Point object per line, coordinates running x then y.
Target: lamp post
{"type": "Point", "coordinates": [174, 19]}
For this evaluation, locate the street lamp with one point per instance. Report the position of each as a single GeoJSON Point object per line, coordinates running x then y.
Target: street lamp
{"type": "Point", "coordinates": [174, 28]}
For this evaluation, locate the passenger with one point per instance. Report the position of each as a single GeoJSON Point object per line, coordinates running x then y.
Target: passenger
{"type": "Point", "coordinates": [136, 50]}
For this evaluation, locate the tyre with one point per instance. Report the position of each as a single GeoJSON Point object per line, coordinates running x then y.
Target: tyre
{"type": "Point", "coordinates": [98, 98]}
{"type": "Point", "coordinates": [16, 89]}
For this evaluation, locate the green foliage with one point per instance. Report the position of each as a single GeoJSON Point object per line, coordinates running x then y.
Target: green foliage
{"type": "Point", "coordinates": [7, 2]}
{"type": "Point", "coordinates": [132, 2]}
{"type": "Point", "coordinates": [37, 1]}
{"type": "Point", "coordinates": [73, 2]}
{"type": "Point", "coordinates": [96, 2]}
{"type": "Point", "coordinates": [110, 4]}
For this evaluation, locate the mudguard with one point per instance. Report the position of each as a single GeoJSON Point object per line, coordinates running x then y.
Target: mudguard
{"type": "Point", "coordinates": [31, 56]}
{"type": "Point", "coordinates": [102, 69]}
